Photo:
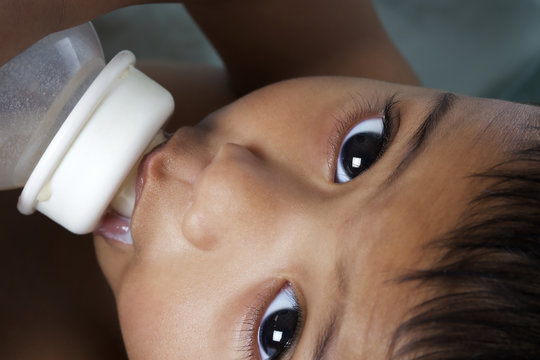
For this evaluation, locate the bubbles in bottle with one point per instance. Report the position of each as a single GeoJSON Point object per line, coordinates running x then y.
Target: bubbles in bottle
{"type": "Point", "coordinates": [38, 89]}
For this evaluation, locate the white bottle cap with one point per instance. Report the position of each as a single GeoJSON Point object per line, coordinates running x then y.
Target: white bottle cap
{"type": "Point", "coordinates": [97, 146]}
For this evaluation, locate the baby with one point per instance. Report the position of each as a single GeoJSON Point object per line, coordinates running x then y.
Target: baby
{"type": "Point", "coordinates": [334, 210]}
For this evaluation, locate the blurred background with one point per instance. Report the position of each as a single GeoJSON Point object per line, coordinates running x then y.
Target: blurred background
{"type": "Point", "coordinates": [488, 48]}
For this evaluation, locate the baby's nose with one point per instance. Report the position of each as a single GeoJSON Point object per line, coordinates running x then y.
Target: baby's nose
{"type": "Point", "coordinates": [235, 198]}
{"type": "Point", "coordinates": [186, 154]}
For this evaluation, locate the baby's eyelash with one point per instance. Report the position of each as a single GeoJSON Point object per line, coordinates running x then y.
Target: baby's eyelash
{"type": "Point", "coordinates": [363, 109]}
{"type": "Point", "coordinates": [247, 337]}
{"type": "Point", "coordinates": [249, 330]}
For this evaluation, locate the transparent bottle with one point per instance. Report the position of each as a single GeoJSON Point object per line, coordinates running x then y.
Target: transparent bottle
{"type": "Point", "coordinates": [73, 129]}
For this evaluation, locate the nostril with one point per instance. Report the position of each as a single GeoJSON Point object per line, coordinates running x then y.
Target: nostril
{"type": "Point", "coordinates": [154, 164]}
{"type": "Point", "coordinates": [182, 157]}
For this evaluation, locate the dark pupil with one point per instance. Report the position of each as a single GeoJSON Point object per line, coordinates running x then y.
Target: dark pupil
{"type": "Point", "coordinates": [277, 331]}
{"type": "Point", "coordinates": [359, 152]}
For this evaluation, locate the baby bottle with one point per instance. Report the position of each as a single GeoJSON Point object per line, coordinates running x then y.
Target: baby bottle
{"type": "Point", "coordinates": [72, 129]}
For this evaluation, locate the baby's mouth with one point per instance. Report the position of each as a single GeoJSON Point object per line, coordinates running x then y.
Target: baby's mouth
{"type": "Point", "coordinates": [115, 229]}
{"type": "Point", "coordinates": [115, 224]}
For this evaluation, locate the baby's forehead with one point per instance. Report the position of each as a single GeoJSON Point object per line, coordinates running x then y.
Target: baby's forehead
{"type": "Point", "coordinates": [504, 122]}
{"type": "Point", "coordinates": [492, 121]}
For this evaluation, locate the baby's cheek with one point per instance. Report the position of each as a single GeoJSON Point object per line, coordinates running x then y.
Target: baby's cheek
{"type": "Point", "coordinates": [165, 311]}
{"type": "Point", "coordinates": [145, 314]}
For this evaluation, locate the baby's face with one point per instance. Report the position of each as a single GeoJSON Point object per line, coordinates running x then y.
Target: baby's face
{"type": "Point", "coordinates": [259, 232]}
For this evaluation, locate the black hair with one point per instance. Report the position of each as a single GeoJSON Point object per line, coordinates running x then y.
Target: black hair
{"type": "Point", "coordinates": [485, 287]}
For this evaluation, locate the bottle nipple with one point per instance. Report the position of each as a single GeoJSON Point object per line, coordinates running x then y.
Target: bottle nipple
{"type": "Point", "coordinates": [124, 201]}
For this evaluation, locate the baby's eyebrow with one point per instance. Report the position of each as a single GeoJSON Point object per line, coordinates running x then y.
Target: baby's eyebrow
{"type": "Point", "coordinates": [331, 326]}
{"type": "Point", "coordinates": [440, 108]}
{"type": "Point", "coordinates": [325, 338]}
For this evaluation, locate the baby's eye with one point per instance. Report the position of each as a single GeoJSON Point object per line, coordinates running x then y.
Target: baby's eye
{"type": "Point", "coordinates": [360, 149]}
{"type": "Point", "coordinates": [279, 325]}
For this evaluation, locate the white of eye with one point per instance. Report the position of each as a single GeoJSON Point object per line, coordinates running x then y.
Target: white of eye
{"type": "Point", "coordinates": [375, 125]}
{"type": "Point", "coordinates": [285, 300]}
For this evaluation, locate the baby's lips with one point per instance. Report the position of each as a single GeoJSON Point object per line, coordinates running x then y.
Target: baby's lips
{"type": "Point", "coordinates": [115, 229]}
